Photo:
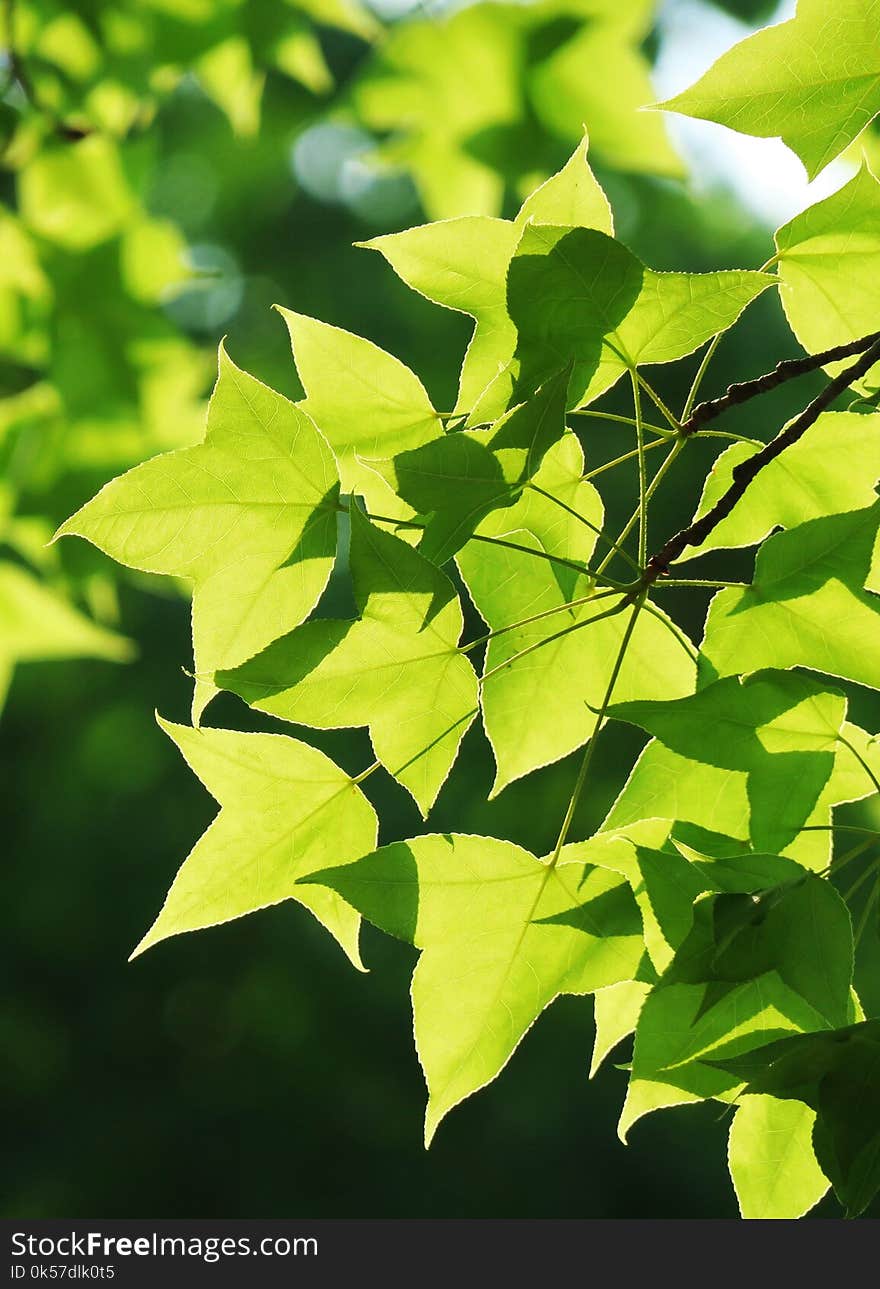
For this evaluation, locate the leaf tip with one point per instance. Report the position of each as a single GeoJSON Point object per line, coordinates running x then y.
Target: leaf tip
{"type": "Point", "coordinates": [146, 942]}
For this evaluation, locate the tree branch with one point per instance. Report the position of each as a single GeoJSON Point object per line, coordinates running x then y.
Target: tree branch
{"type": "Point", "coordinates": [747, 470]}
{"type": "Point", "coordinates": [782, 372]}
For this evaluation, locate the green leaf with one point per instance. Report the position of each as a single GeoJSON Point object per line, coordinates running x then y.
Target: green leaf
{"type": "Point", "coordinates": [397, 668]}
{"type": "Point", "coordinates": [673, 315]}
{"type": "Point", "coordinates": [36, 623]}
{"type": "Point", "coordinates": [681, 1034]}
{"type": "Point", "coordinates": [772, 1162]}
{"type": "Point", "coordinates": [578, 295]}
{"type": "Point", "coordinates": [564, 535]}
{"type": "Point", "coordinates": [806, 606]}
{"type": "Point", "coordinates": [502, 935]}
{"type": "Point", "coordinates": [413, 90]}
{"type": "Point", "coordinates": [736, 937]}
{"type": "Point", "coordinates": [814, 81]}
{"type": "Point", "coordinates": [829, 259]}
{"type": "Point", "coordinates": [487, 94]}
{"type": "Point", "coordinates": [462, 264]}
{"type": "Point", "coordinates": [745, 973]}
{"type": "Point", "coordinates": [76, 195]}
{"type": "Point", "coordinates": [227, 74]}
{"type": "Point", "coordinates": [451, 484]}
{"type": "Point", "coordinates": [365, 402]}
{"type": "Point", "coordinates": [249, 515]}
{"type": "Point", "coordinates": [834, 467]}
{"type": "Point", "coordinates": [616, 1013]}
{"type": "Point", "coordinates": [457, 480]}
{"type": "Point", "coordinates": [567, 288]}
{"type": "Point", "coordinates": [573, 197]}
{"type": "Point", "coordinates": [536, 709]}
{"type": "Point", "coordinates": [667, 877]}
{"type": "Point", "coordinates": [286, 811]}
{"type": "Point", "coordinates": [609, 98]}
{"type": "Point", "coordinates": [665, 785]}
{"type": "Point", "coordinates": [838, 1075]}
{"type": "Point", "coordinates": [780, 729]}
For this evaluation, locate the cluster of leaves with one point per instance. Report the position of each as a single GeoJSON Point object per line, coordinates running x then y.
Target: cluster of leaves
{"type": "Point", "coordinates": [106, 65]}
{"type": "Point", "coordinates": [96, 374]}
{"type": "Point", "coordinates": [487, 96]}
{"type": "Point", "coordinates": [706, 914]}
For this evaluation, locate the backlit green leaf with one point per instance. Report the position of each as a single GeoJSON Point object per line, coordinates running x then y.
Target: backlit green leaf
{"type": "Point", "coordinates": [771, 1157]}
{"type": "Point", "coordinates": [502, 935]}
{"type": "Point", "coordinates": [364, 401]}
{"type": "Point", "coordinates": [455, 481]}
{"type": "Point", "coordinates": [814, 81]}
{"type": "Point", "coordinates": [834, 467]}
{"type": "Point", "coordinates": [249, 516]}
{"type": "Point", "coordinates": [778, 728]}
{"type": "Point", "coordinates": [665, 785]}
{"type": "Point", "coordinates": [36, 623]}
{"type": "Point", "coordinates": [462, 264]}
{"type": "Point", "coordinates": [829, 258]}
{"type": "Point", "coordinates": [576, 295]}
{"type": "Point", "coordinates": [396, 669]}
{"type": "Point", "coordinates": [746, 974]}
{"type": "Point", "coordinates": [806, 606]}
{"type": "Point", "coordinates": [286, 810]}
{"type": "Point", "coordinates": [536, 708]}
{"type": "Point", "coordinates": [838, 1075]}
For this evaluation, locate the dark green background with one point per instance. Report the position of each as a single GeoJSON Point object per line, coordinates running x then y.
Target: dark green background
{"type": "Point", "coordinates": [248, 1070]}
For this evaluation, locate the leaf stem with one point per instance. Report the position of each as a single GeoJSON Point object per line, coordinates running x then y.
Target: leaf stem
{"type": "Point", "coordinates": [838, 865]}
{"type": "Point", "coordinates": [701, 373]}
{"type": "Point", "coordinates": [710, 583]}
{"type": "Point", "coordinates": [675, 630]}
{"type": "Point", "coordinates": [591, 745]}
{"type": "Point", "coordinates": [655, 398]}
{"type": "Point", "coordinates": [627, 456]}
{"type": "Point", "coordinates": [674, 451]}
{"type": "Point", "coordinates": [577, 565]}
{"type": "Point", "coordinates": [860, 880]}
{"type": "Point", "coordinates": [711, 350]}
{"type": "Point", "coordinates": [868, 832]}
{"type": "Point", "coordinates": [577, 515]}
{"type": "Point", "coordinates": [643, 478]}
{"type": "Point", "coordinates": [537, 617]}
{"type": "Point", "coordinates": [623, 420]}
{"type": "Point", "coordinates": [365, 774]}
{"type": "Point", "coordinates": [539, 644]}
{"type": "Point", "coordinates": [870, 904]}
{"type": "Point", "coordinates": [861, 760]}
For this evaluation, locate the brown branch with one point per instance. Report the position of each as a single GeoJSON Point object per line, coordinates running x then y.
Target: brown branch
{"type": "Point", "coordinates": [747, 470]}
{"type": "Point", "coordinates": [787, 370]}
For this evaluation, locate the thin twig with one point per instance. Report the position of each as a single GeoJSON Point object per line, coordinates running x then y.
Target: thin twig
{"type": "Point", "coordinates": [746, 471]}
{"type": "Point", "coordinates": [782, 372]}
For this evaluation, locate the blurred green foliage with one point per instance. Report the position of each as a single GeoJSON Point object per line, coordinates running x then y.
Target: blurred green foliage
{"type": "Point", "coordinates": [173, 168]}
